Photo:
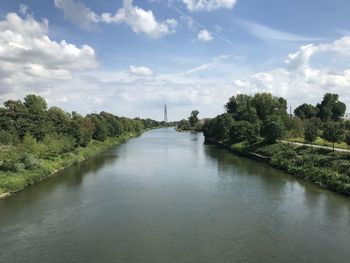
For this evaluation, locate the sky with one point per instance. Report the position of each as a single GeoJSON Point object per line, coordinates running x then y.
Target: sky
{"type": "Point", "coordinates": [131, 57]}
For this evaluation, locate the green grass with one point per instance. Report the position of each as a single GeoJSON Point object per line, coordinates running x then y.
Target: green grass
{"type": "Point", "coordinates": [320, 142]}
{"type": "Point", "coordinates": [11, 182]}
{"type": "Point", "coordinates": [321, 166]}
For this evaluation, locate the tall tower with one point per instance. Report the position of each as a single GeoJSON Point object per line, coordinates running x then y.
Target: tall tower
{"type": "Point", "coordinates": [165, 114]}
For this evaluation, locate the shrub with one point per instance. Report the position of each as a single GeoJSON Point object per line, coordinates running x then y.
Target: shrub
{"type": "Point", "coordinates": [30, 162]}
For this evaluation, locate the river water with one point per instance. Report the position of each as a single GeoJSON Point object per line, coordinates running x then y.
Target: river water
{"type": "Point", "coordinates": [167, 197]}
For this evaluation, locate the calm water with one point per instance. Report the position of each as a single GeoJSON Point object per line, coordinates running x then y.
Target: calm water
{"type": "Point", "coordinates": [167, 197]}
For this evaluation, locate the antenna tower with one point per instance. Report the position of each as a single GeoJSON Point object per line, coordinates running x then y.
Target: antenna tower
{"type": "Point", "coordinates": [165, 114]}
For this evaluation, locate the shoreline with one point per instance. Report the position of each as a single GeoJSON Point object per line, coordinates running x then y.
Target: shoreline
{"type": "Point", "coordinates": [267, 160]}
{"type": "Point", "coordinates": [44, 175]}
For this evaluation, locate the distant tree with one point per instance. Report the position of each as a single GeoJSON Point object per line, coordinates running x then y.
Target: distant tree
{"type": "Point", "coordinates": [310, 133]}
{"type": "Point", "coordinates": [241, 108]}
{"type": "Point", "coordinates": [193, 119]}
{"type": "Point", "coordinates": [243, 131]}
{"type": "Point", "coordinates": [273, 129]}
{"type": "Point", "coordinates": [305, 111]}
{"type": "Point", "coordinates": [295, 127]}
{"type": "Point", "coordinates": [333, 132]}
{"type": "Point", "coordinates": [316, 121]}
{"type": "Point", "coordinates": [184, 125]}
{"type": "Point", "coordinates": [331, 109]}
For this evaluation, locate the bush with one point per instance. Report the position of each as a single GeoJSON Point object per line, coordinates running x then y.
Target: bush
{"type": "Point", "coordinates": [30, 162]}
{"type": "Point", "coordinates": [239, 147]}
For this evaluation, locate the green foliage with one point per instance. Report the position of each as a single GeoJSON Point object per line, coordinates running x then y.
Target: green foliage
{"type": "Point", "coordinates": [295, 127]}
{"type": "Point", "coordinates": [258, 107]}
{"type": "Point", "coordinates": [193, 119]}
{"type": "Point", "coordinates": [273, 129]}
{"type": "Point", "coordinates": [310, 133]}
{"type": "Point", "coordinates": [30, 133]}
{"type": "Point", "coordinates": [219, 127]}
{"type": "Point", "coordinates": [239, 148]}
{"type": "Point", "coordinates": [331, 109]}
{"type": "Point", "coordinates": [184, 125]}
{"type": "Point", "coordinates": [5, 137]}
{"type": "Point", "coordinates": [347, 138]}
{"type": "Point", "coordinates": [333, 132]}
{"type": "Point", "coordinates": [241, 107]}
{"type": "Point", "coordinates": [305, 111]}
{"type": "Point", "coordinates": [267, 114]}
{"type": "Point", "coordinates": [30, 162]}
{"type": "Point", "coordinates": [243, 131]}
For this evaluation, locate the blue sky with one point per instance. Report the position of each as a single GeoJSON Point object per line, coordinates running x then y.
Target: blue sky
{"type": "Point", "coordinates": [131, 57]}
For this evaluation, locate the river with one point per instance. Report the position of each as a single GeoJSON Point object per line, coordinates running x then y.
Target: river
{"type": "Point", "coordinates": [167, 197]}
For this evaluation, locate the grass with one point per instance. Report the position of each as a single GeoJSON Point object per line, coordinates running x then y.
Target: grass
{"type": "Point", "coordinates": [11, 182]}
{"type": "Point", "coordinates": [321, 142]}
{"type": "Point", "coordinates": [321, 166]}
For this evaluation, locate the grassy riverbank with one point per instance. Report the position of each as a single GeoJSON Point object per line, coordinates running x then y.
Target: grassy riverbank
{"type": "Point", "coordinates": [323, 167]}
{"type": "Point", "coordinates": [11, 182]}
{"type": "Point", "coordinates": [321, 142]}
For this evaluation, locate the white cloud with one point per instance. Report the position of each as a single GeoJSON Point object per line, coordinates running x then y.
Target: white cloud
{"type": "Point", "coordinates": [204, 36]}
{"type": "Point", "coordinates": [77, 13]}
{"type": "Point", "coordinates": [23, 9]}
{"type": "Point", "coordinates": [208, 5]}
{"type": "Point", "coordinates": [140, 71]}
{"type": "Point", "coordinates": [268, 33]}
{"type": "Point", "coordinates": [299, 81]}
{"type": "Point", "coordinates": [138, 19]}
{"type": "Point", "coordinates": [28, 56]}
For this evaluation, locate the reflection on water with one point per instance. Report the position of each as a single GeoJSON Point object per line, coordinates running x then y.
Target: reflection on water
{"type": "Point", "coordinates": [167, 197]}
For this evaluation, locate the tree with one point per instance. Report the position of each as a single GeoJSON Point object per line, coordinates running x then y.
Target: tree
{"type": "Point", "coordinates": [241, 108]}
{"type": "Point", "coordinates": [219, 127]}
{"type": "Point", "coordinates": [193, 119]}
{"type": "Point", "coordinates": [183, 125]}
{"type": "Point", "coordinates": [243, 131]}
{"type": "Point", "coordinates": [267, 105]}
{"type": "Point", "coordinates": [331, 109]}
{"type": "Point", "coordinates": [34, 103]}
{"type": "Point", "coordinates": [310, 133]}
{"type": "Point", "coordinates": [273, 129]}
{"type": "Point", "coordinates": [333, 132]}
{"type": "Point", "coordinates": [305, 111]}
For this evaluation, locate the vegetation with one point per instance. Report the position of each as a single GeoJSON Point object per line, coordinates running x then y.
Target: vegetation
{"type": "Point", "coordinates": [310, 133]}
{"type": "Point", "coordinates": [258, 124]}
{"type": "Point", "coordinates": [192, 124]}
{"type": "Point", "coordinates": [36, 141]}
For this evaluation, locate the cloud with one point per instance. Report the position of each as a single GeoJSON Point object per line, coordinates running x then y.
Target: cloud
{"type": "Point", "coordinates": [205, 36]}
{"type": "Point", "coordinates": [191, 21]}
{"type": "Point", "coordinates": [138, 19]}
{"type": "Point", "coordinates": [140, 71]}
{"type": "Point", "coordinates": [208, 5]}
{"type": "Point", "coordinates": [300, 81]}
{"type": "Point", "coordinates": [267, 33]}
{"type": "Point", "coordinates": [29, 57]}
{"type": "Point", "coordinates": [77, 13]}
{"type": "Point", "coordinates": [23, 9]}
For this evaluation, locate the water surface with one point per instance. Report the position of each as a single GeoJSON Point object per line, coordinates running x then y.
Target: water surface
{"type": "Point", "coordinates": [167, 197]}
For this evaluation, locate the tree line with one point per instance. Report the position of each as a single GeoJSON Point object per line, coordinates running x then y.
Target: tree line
{"type": "Point", "coordinates": [252, 118]}
{"type": "Point", "coordinates": [30, 131]}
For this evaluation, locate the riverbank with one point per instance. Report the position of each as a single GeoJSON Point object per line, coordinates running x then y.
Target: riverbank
{"type": "Point", "coordinates": [323, 167]}
{"type": "Point", "coordinates": [12, 182]}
